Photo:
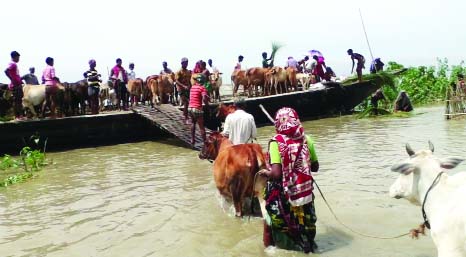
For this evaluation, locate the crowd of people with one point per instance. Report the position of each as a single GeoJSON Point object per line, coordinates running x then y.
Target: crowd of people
{"type": "Point", "coordinates": [118, 79]}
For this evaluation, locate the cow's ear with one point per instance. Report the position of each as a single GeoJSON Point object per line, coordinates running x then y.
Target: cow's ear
{"type": "Point", "coordinates": [403, 168]}
{"type": "Point", "coordinates": [450, 162]}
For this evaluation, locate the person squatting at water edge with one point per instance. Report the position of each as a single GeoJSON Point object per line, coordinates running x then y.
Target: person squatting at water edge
{"type": "Point", "coordinates": [197, 96]}
{"type": "Point", "coordinates": [289, 222]}
{"type": "Point", "coordinates": [403, 103]}
{"type": "Point", "coordinates": [93, 81]}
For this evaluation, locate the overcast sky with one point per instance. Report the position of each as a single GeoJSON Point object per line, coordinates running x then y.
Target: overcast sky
{"type": "Point", "coordinates": [149, 32]}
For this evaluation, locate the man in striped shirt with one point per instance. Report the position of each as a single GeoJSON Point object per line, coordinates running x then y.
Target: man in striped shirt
{"type": "Point", "coordinates": [197, 95]}
{"type": "Point", "coordinates": [93, 81]}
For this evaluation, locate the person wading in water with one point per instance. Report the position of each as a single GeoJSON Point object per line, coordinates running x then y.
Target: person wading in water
{"type": "Point", "coordinates": [290, 221]}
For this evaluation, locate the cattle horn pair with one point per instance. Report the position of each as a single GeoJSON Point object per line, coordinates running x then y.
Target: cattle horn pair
{"type": "Point", "coordinates": [411, 152]}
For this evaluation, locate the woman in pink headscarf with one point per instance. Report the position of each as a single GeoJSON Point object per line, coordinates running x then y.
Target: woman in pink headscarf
{"type": "Point", "coordinates": [290, 219]}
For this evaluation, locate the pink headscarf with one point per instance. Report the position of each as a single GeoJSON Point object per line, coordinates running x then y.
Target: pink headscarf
{"type": "Point", "coordinates": [295, 157]}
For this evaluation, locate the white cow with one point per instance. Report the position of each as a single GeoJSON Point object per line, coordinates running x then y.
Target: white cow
{"type": "Point", "coordinates": [216, 81]}
{"type": "Point", "coordinates": [107, 94]}
{"type": "Point", "coordinates": [33, 95]}
{"type": "Point", "coordinates": [304, 79]}
{"type": "Point", "coordinates": [444, 204]}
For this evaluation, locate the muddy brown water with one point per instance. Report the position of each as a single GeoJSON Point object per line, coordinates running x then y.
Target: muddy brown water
{"type": "Point", "coordinates": [158, 199]}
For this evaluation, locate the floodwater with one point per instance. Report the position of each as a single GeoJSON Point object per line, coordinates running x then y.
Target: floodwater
{"type": "Point", "coordinates": [159, 199]}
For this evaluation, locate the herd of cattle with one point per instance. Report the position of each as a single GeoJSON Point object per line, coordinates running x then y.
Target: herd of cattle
{"type": "Point", "coordinates": [73, 98]}
{"type": "Point", "coordinates": [156, 89]}
{"type": "Point", "coordinates": [267, 81]}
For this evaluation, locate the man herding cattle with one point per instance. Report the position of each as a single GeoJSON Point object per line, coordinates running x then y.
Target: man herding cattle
{"type": "Point", "coordinates": [15, 86]}
{"type": "Point", "coordinates": [93, 81]}
{"type": "Point", "coordinates": [239, 126]}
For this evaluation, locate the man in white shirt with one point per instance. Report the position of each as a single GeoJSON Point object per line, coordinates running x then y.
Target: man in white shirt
{"type": "Point", "coordinates": [240, 126]}
{"type": "Point", "coordinates": [131, 73]}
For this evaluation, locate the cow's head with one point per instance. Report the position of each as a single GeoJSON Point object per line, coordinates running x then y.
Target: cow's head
{"type": "Point", "coordinates": [421, 164]}
{"type": "Point", "coordinates": [215, 76]}
{"type": "Point", "coordinates": [211, 146]}
{"type": "Point", "coordinates": [223, 110]}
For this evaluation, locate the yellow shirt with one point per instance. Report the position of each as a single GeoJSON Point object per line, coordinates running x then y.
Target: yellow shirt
{"type": "Point", "coordinates": [274, 151]}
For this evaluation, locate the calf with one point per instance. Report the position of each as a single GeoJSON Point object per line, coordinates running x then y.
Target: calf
{"type": "Point", "coordinates": [216, 81]}
{"type": "Point", "coordinates": [134, 87]}
{"type": "Point", "coordinates": [422, 181]}
{"type": "Point", "coordinates": [239, 78]}
{"type": "Point", "coordinates": [235, 167]}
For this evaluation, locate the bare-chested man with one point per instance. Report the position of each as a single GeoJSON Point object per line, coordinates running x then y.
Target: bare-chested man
{"type": "Point", "coordinates": [360, 64]}
{"type": "Point", "coordinates": [183, 84]}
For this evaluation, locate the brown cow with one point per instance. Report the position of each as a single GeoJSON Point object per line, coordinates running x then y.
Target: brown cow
{"type": "Point", "coordinates": [239, 78]}
{"type": "Point", "coordinates": [279, 79]}
{"type": "Point", "coordinates": [235, 169]}
{"type": "Point", "coordinates": [223, 111]}
{"type": "Point", "coordinates": [152, 83]}
{"type": "Point", "coordinates": [135, 90]}
{"type": "Point", "coordinates": [256, 79]}
{"type": "Point", "coordinates": [166, 88]}
{"type": "Point", "coordinates": [291, 78]}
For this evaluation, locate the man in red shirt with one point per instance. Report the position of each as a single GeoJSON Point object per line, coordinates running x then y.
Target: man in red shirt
{"type": "Point", "coordinates": [16, 85]}
{"type": "Point", "coordinates": [197, 95]}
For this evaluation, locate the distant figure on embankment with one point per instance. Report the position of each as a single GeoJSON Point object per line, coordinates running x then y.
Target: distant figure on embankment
{"type": "Point", "coordinates": [403, 103]}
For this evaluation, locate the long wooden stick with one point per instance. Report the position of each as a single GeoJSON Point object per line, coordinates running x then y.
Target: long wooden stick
{"type": "Point", "coordinates": [365, 33]}
{"type": "Point", "coordinates": [266, 113]}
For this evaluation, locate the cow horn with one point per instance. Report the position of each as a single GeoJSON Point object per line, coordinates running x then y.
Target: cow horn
{"type": "Point", "coordinates": [409, 150]}
{"type": "Point", "coordinates": [431, 146]}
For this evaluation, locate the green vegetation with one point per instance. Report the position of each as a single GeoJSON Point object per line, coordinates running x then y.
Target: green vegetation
{"type": "Point", "coordinates": [423, 84]}
{"type": "Point", "coordinates": [14, 171]}
{"type": "Point", "coordinates": [275, 47]}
